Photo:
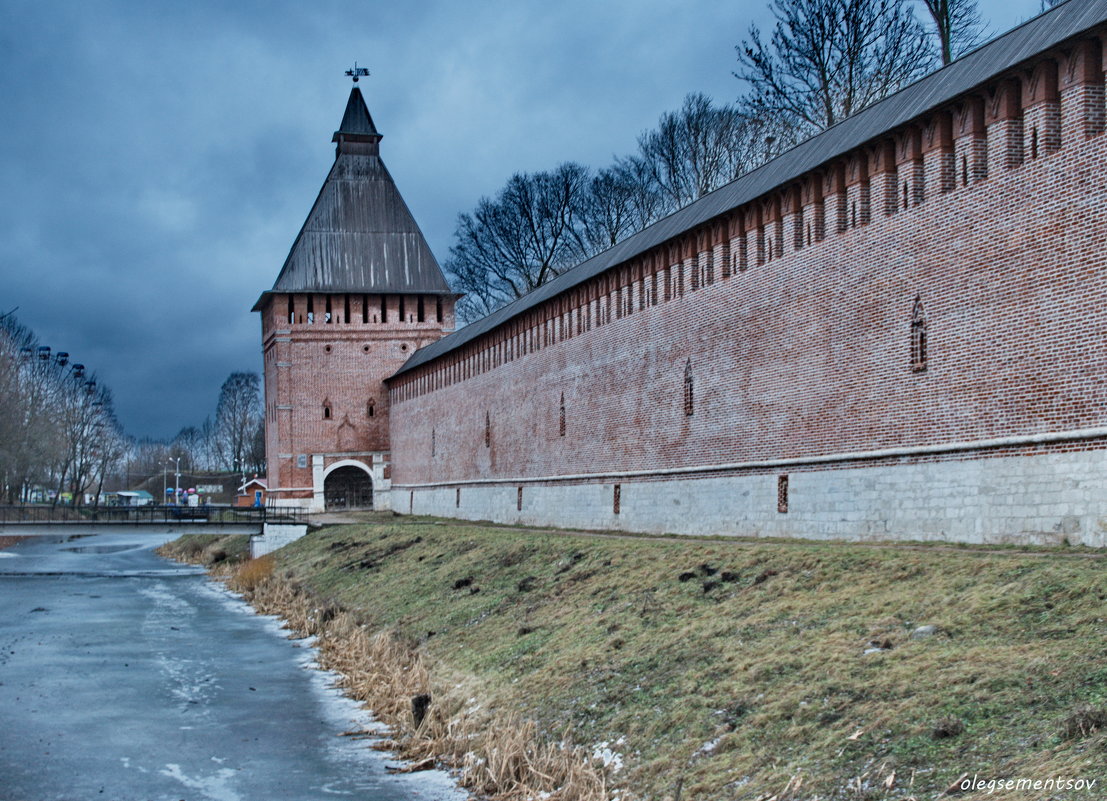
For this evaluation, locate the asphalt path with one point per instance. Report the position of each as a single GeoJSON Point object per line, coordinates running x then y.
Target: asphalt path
{"type": "Point", "coordinates": [125, 676]}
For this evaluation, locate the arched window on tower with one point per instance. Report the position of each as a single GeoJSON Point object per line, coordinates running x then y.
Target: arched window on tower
{"type": "Point", "coordinates": [370, 409]}
{"type": "Point", "coordinates": [326, 409]}
{"type": "Point", "coordinates": [689, 396]}
{"type": "Point", "coordinates": [918, 336]}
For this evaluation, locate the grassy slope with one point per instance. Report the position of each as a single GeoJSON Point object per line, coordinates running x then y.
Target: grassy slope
{"type": "Point", "coordinates": [768, 664]}
{"type": "Point", "coordinates": [208, 549]}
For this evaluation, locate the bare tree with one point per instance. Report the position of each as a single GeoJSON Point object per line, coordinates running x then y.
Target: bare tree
{"type": "Point", "coordinates": [518, 241]}
{"type": "Point", "coordinates": [111, 449]}
{"type": "Point", "coordinates": [647, 203]}
{"type": "Point", "coordinates": [53, 419]}
{"type": "Point", "coordinates": [236, 419]}
{"type": "Point", "coordinates": [255, 458]}
{"type": "Point", "coordinates": [197, 447]}
{"type": "Point", "coordinates": [828, 59]}
{"type": "Point", "coordinates": [699, 148]}
{"type": "Point", "coordinates": [83, 409]}
{"type": "Point", "coordinates": [33, 443]}
{"type": "Point", "coordinates": [958, 26]}
{"type": "Point", "coordinates": [609, 211]}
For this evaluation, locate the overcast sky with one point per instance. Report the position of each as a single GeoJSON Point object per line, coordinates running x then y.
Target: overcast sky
{"type": "Point", "coordinates": [158, 158]}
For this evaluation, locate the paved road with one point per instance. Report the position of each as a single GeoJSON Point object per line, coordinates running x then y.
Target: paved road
{"type": "Point", "coordinates": [124, 676]}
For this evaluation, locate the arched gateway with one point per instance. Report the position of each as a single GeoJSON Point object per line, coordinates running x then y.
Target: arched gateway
{"type": "Point", "coordinates": [348, 487]}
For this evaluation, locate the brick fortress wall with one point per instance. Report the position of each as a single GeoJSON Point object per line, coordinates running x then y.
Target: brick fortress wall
{"type": "Point", "coordinates": [324, 380]}
{"type": "Point", "coordinates": [907, 342]}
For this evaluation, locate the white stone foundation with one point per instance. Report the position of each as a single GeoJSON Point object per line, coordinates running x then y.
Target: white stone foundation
{"type": "Point", "coordinates": [1043, 499]}
{"type": "Point", "coordinates": [274, 536]}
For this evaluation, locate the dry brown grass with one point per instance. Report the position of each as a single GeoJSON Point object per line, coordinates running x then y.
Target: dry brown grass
{"type": "Point", "coordinates": [251, 574]}
{"type": "Point", "coordinates": [499, 756]}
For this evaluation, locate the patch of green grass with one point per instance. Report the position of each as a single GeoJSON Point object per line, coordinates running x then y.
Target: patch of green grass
{"type": "Point", "coordinates": [752, 669]}
{"type": "Point", "coordinates": [208, 549]}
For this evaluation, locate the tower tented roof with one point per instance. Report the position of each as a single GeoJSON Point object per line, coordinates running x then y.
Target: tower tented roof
{"type": "Point", "coordinates": [356, 120]}
{"type": "Point", "coordinates": [360, 235]}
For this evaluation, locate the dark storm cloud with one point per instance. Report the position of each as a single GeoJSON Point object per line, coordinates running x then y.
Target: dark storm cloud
{"type": "Point", "coordinates": [157, 159]}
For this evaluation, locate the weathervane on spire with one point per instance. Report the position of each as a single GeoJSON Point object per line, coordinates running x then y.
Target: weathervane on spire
{"type": "Point", "coordinates": [357, 72]}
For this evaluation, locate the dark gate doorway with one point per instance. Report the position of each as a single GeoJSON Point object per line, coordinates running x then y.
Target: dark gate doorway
{"type": "Point", "coordinates": [348, 488]}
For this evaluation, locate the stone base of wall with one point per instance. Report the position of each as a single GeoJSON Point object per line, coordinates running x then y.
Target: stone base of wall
{"type": "Point", "coordinates": [1040, 499]}
{"type": "Point", "coordinates": [274, 536]}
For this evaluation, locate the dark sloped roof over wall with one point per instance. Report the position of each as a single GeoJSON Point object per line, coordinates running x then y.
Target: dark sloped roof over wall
{"type": "Point", "coordinates": [1001, 54]}
{"type": "Point", "coordinates": [360, 235]}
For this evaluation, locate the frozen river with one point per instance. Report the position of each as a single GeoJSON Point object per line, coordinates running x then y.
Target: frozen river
{"type": "Point", "coordinates": [125, 676]}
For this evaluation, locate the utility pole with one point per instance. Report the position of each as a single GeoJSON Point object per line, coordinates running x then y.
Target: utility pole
{"type": "Point", "coordinates": [176, 480]}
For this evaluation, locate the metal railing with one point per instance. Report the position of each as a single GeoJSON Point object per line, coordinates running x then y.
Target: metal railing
{"type": "Point", "coordinates": [149, 515]}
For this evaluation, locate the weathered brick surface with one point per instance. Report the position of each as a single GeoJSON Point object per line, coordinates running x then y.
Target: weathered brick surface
{"type": "Point", "coordinates": [800, 346]}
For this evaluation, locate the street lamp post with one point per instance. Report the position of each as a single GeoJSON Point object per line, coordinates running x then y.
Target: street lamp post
{"type": "Point", "coordinates": [176, 478]}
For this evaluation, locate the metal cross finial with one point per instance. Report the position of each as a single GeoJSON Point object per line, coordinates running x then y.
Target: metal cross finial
{"type": "Point", "coordinates": [357, 72]}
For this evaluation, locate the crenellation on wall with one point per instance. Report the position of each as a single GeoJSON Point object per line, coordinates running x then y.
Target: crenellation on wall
{"type": "Point", "coordinates": [1041, 110]}
{"type": "Point", "coordinates": [1004, 123]}
{"type": "Point", "coordinates": [883, 178]}
{"type": "Point", "coordinates": [938, 157]}
{"type": "Point", "coordinates": [1081, 91]}
{"type": "Point", "coordinates": [837, 199]}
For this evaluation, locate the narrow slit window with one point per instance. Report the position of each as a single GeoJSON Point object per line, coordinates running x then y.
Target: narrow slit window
{"type": "Point", "coordinates": [384, 309]}
{"type": "Point", "coordinates": [561, 417]}
{"type": "Point", "coordinates": [365, 308]}
{"type": "Point", "coordinates": [291, 310]}
{"type": "Point", "coordinates": [1034, 143]}
{"type": "Point", "coordinates": [326, 410]}
{"type": "Point", "coordinates": [370, 409]}
{"type": "Point", "coordinates": [519, 500]}
{"type": "Point", "coordinates": [918, 336]}
{"type": "Point", "coordinates": [689, 391]}
{"type": "Point", "coordinates": [617, 499]}
{"type": "Point", "coordinates": [487, 430]}
{"type": "Point", "coordinates": [782, 494]}
{"type": "Point", "coordinates": [457, 498]}
{"type": "Point", "coordinates": [434, 443]}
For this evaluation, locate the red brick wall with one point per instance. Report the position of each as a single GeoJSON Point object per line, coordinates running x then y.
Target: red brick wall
{"type": "Point", "coordinates": [342, 363]}
{"type": "Point", "coordinates": [808, 351]}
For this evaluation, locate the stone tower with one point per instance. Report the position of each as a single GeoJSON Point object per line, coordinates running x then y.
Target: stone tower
{"type": "Point", "coordinates": [358, 294]}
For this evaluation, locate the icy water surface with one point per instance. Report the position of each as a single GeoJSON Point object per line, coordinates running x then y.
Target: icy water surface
{"type": "Point", "coordinates": [125, 676]}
